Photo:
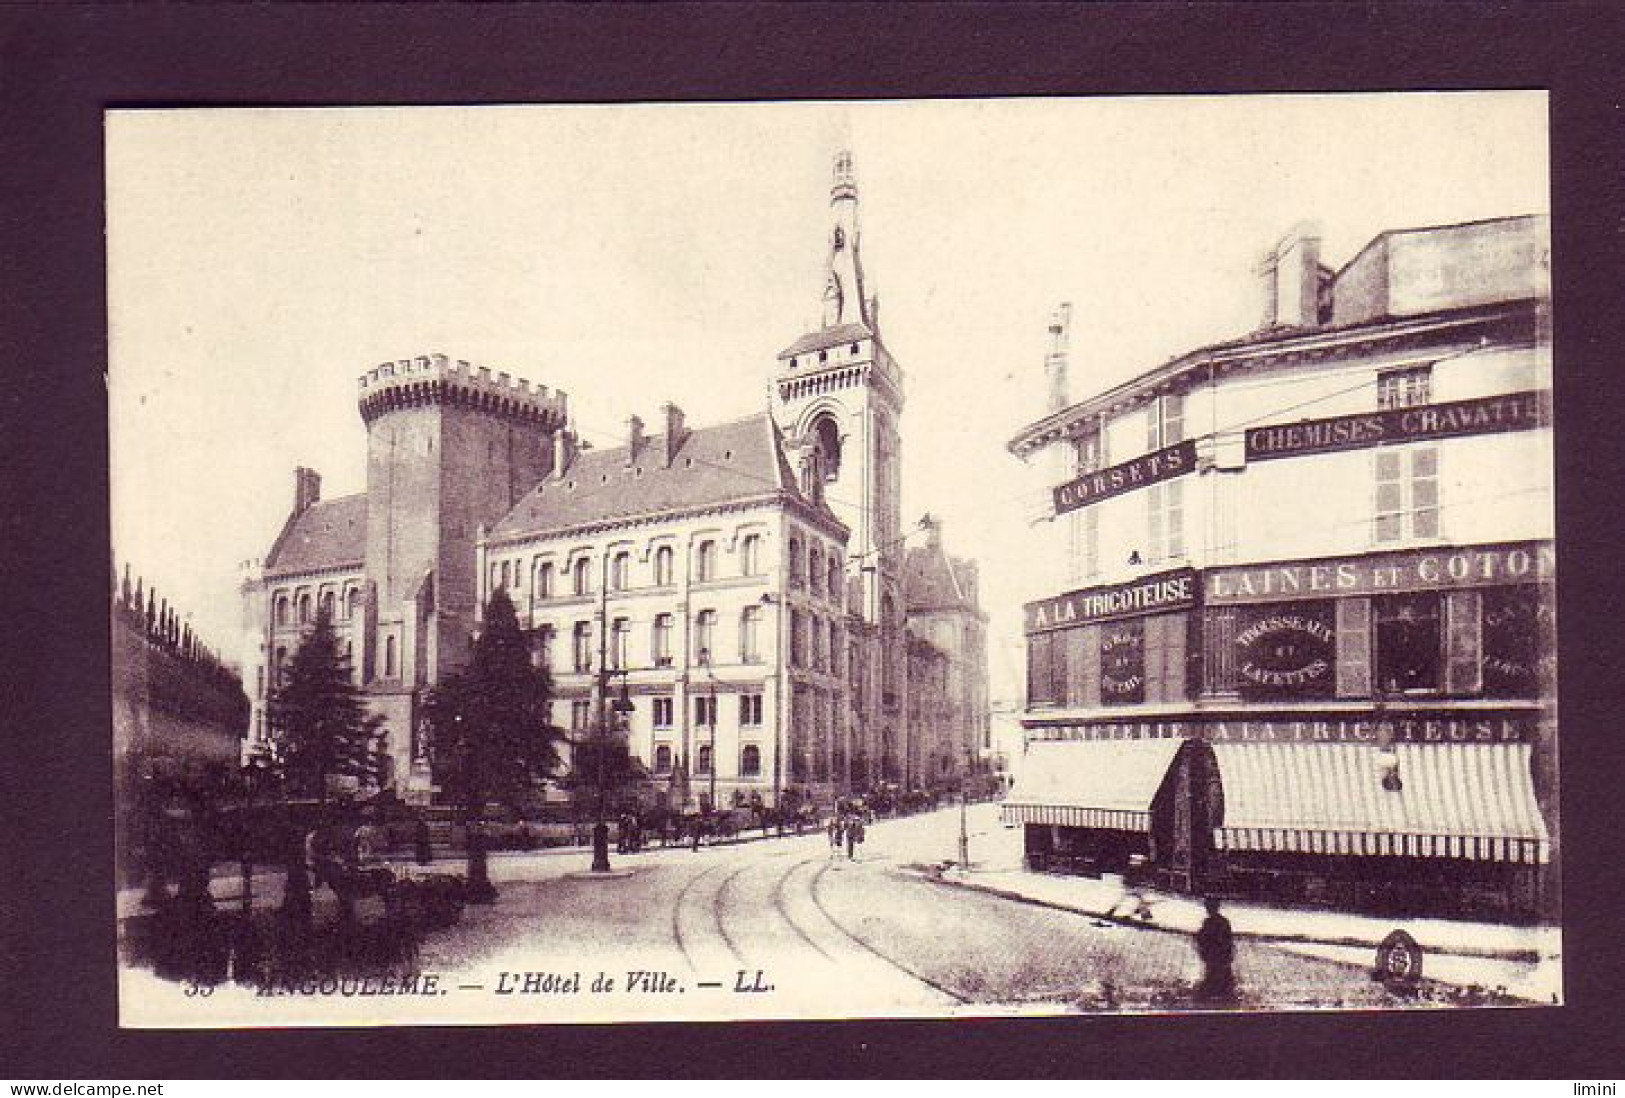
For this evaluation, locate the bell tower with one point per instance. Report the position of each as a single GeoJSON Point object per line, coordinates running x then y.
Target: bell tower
{"type": "Point", "coordinates": [838, 393]}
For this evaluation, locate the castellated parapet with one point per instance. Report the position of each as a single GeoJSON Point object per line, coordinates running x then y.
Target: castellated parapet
{"type": "Point", "coordinates": [435, 379]}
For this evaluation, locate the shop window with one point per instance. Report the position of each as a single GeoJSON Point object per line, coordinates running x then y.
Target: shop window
{"type": "Point", "coordinates": [662, 712]}
{"type": "Point", "coordinates": [663, 759]}
{"type": "Point", "coordinates": [1517, 640]}
{"type": "Point", "coordinates": [750, 710]}
{"type": "Point", "coordinates": [663, 559]}
{"type": "Point", "coordinates": [1409, 643]}
{"type": "Point", "coordinates": [1407, 500]}
{"type": "Point", "coordinates": [1404, 388]}
{"type": "Point", "coordinates": [750, 761]}
{"type": "Point", "coordinates": [1165, 521]}
{"type": "Point", "coordinates": [660, 641]}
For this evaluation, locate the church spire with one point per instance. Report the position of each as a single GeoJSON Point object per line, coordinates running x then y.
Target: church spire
{"type": "Point", "coordinates": [845, 298]}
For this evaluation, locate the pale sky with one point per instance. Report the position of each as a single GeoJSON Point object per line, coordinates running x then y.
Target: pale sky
{"type": "Point", "coordinates": [259, 260]}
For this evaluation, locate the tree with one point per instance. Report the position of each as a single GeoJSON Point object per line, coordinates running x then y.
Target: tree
{"type": "Point", "coordinates": [321, 729]}
{"type": "Point", "coordinates": [320, 717]}
{"type": "Point", "coordinates": [489, 734]}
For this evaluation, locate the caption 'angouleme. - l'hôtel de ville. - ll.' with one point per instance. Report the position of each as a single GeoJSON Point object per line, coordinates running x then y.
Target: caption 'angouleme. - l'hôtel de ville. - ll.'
{"type": "Point", "coordinates": [1297, 634]}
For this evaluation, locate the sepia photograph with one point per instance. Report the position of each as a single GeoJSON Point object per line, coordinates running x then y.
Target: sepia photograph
{"type": "Point", "coordinates": [832, 560]}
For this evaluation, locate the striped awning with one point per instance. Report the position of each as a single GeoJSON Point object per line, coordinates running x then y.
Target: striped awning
{"type": "Point", "coordinates": [1471, 801]}
{"type": "Point", "coordinates": [1104, 784]}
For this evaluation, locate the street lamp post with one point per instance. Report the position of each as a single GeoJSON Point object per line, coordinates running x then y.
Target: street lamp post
{"type": "Point", "coordinates": [711, 719]}
{"type": "Point", "coordinates": [620, 707]}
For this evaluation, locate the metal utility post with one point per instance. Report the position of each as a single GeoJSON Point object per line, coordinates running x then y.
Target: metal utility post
{"type": "Point", "coordinates": [964, 832]}
{"type": "Point", "coordinates": [711, 719]}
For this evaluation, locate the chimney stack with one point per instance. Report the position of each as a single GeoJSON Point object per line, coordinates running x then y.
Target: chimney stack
{"type": "Point", "coordinates": [634, 438]}
{"type": "Point", "coordinates": [933, 531]}
{"type": "Point", "coordinates": [307, 489]}
{"type": "Point", "coordinates": [674, 431]}
{"type": "Point", "coordinates": [1290, 278]}
{"type": "Point", "coordinates": [1055, 358]}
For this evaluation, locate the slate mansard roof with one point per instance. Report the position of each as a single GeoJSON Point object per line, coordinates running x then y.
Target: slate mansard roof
{"type": "Point", "coordinates": [329, 534]}
{"type": "Point", "coordinates": [725, 463]}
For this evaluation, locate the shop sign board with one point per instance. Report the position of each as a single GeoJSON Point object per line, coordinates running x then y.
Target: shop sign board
{"type": "Point", "coordinates": [1287, 651]}
{"type": "Point", "coordinates": [1486, 415]}
{"type": "Point", "coordinates": [1165, 591]}
{"type": "Point", "coordinates": [1382, 573]}
{"type": "Point", "coordinates": [1367, 727]}
{"type": "Point", "coordinates": [1143, 471]}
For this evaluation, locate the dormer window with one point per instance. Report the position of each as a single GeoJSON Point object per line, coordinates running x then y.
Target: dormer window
{"type": "Point", "coordinates": [854, 348]}
{"type": "Point", "coordinates": [823, 356]}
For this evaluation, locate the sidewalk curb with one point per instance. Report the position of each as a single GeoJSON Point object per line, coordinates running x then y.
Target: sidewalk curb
{"type": "Point", "coordinates": [1519, 956]}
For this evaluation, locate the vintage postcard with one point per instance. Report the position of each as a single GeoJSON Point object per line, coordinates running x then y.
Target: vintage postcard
{"type": "Point", "coordinates": [832, 560]}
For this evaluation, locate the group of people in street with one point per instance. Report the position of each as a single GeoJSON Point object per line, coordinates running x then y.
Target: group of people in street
{"type": "Point", "coordinates": [846, 827]}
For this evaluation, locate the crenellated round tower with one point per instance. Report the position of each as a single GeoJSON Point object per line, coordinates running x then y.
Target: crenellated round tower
{"type": "Point", "coordinates": [451, 447]}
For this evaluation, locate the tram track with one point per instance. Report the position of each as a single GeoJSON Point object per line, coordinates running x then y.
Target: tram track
{"type": "Point", "coordinates": [862, 943]}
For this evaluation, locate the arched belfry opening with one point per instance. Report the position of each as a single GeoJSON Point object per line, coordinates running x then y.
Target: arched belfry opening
{"type": "Point", "coordinates": [826, 437]}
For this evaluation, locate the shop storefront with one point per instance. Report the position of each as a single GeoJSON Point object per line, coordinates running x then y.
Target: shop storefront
{"type": "Point", "coordinates": [1371, 732]}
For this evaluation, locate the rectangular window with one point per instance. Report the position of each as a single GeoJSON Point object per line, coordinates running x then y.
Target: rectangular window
{"type": "Point", "coordinates": [1404, 388]}
{"type": "Point", "coordinates": [1165, 521]}
{"type": "Point", "coordinates": [1165, 421]}
{"type": "Point", "coordinates": [1407, 500]}
{"type": "Point", "coordinates": [662, 712]}
{"type": "Point", "coordinates": [705, 710]}
{"type": "Point", "coordinates": [750, 710]}
{"type": "Point", "coordinates": [1518, 659]}
{"type": "Point", "coordinates": [1088, 457]}
{"type": "Point", "coordinates": [1354, 648]}
{"type": "Point", "coordinates": [1410, 643]}
{"type": "Point", "coordinates": [580, 715]}
{"type": "Point", "coordinates": [581, 647]}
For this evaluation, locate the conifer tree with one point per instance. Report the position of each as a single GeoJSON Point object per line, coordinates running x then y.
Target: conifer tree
{"type": "Point", "coordinates": [320, 718]}
{"type": "Point", "coordinates": [490, 737]}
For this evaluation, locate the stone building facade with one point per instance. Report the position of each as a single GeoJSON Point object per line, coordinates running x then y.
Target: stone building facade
{"type": "Point", "coordinates": [793, 516]}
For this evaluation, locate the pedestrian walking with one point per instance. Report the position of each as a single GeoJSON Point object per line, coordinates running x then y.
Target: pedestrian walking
{"type": "Point", "coordinates": [835, 835]}
{"type": "Point", "coordinates": [1216, 946]}
{"type": "Point", "coordinates": [854, 837]}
